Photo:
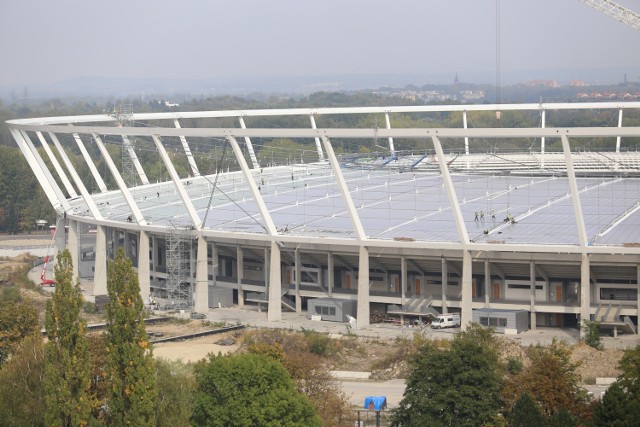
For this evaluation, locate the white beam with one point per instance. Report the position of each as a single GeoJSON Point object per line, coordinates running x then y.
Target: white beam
{"type": "Point", "coordinates": [317, 140]}
{"type": "Point", "coordinates": [90, 164]}
{"type": "Point", "coordinates": [134, 158]}
{"type": "Point", "coordinates": [262, 207]}
{"type": "Point", "coordinates": [177, 182]}
{"type": "Point", "coordinates": [187, 150]}
{"type": "Point", "coordinates": [390, 139]}
{"type": "Point", "coordinates": [466, 138]}
{"type": "Point", "coordinates": [451, 192]}
{"type": "Point", "coordinates": [135, 211]}
{"type": "Point", "coordinates": [619, 139]}
{"type": "Point", "coordinates": [247, 141]}
{"type": "Point", "coordinates": [585, 291]}
{"type": "Point", "coordinates": [344, 190]}
{"type": "Point", "coordinates": [56, 165]}
{"type": "Point", "coordinates": [575, 196]}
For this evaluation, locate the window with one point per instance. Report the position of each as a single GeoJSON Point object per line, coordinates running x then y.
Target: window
{"type": "Point", "coordinates": [618, 294]}
{"type": "Point", "coordinates": [495, 322]}
{"type": "Point", "coordinates": [519, 286]}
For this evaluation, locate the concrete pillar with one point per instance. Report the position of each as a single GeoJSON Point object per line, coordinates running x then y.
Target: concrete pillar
{"type": "Point", "coordinates": [100, 266]}
{"type": "Point", "coordinates": [403, 279]}
{"type": "Point", "coordinates": [330, 272]}
{"type": "Point", "coordinates": [532, 295]}
{"type": "Point", "coordinates": [487, 282]}
{"type": "Point", "coordinates": [585, 291]}
{"type": "Point", "coordinates": [297, 269]}
{"type": "Point", "coordinates": [74, 248]}
{"type": "Point", "coordinates": [61, 235]}
{"type": "Point", "coordinates": [239, 274]}
{"type": "Point", "coordinates": [144, 274]}
{"type": "Point", "coordinates": [201, 303]}
{"type": "Point", "coordinates": [467, 270]}
{"type": "Point", "coordinates": [363, 288]}
{"type": "Point", "coordinates": [274, 312]}
{"type": "Point", "coordinates": [154, 254]}
{"type": "Point", "coordinates": [214, 264]}
{"type": "Point", "coordinates": [638, 298]}
{"type": "Point", "coordinates": [445, 277]}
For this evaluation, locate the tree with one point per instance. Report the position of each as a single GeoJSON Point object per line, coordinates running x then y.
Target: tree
{"type": "Point", "coordinates": [456, 386]}
{"type": "Point", "coordinates": [22, 385]}
{"type": "Point", "coordinates": [66, 352]}
{"type": "Point", "coordinates": [176, 386]}
{"type": "Point", "coordinates": [248, 390]}
{"type": "Point", "coordinates": [591, 331]}
{"type": "Point", "coordinates": [551, 381]}
{"type": "Point", "coordinates": [18, 320]}
{"type": "Point", "coordinates": [525, 413]}
{"type": "Point", "coordinates": [130, 365]}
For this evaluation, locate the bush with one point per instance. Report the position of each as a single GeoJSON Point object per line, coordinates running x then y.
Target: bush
{"type": "Point", "coordinates": [514, 365]}
{"type": "Point", "coordinates": [591, 332]}
{"type": "Point", "coordinates": [318, 343]}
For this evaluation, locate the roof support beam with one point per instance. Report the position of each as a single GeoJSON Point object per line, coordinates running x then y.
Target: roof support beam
{"type": "Point", "coordinates": [542, 273]}
{"type": "Point", "coordinates": [451, 192]}
{"type": "Point", "coordinates": [134, 158]}
{"type": "Point", "coordinates": [187, 150]}
{"type": "Point", "coordinates": [575, 197]}
{"type": "Point", "coordinates": [247, 141]}
{"type": "Point", "coordinates": [177, 182]}
{"type": "Point", "coordinates": [415, 266]}
{"type": "Point", "coordinates": [135, 211]}
{"type": "Point", "coordinates": [266, 216]}
{"type": "Point", "coordinates": [92, 167]}
{"type": "Point", "coordinates": [93, 208]}
{"type": "Point", "coordinates": [56, 165]}
{"type": "Point", "coordinates": [318, 145]}
{"type": "Point", "coordinates": [392, 149]}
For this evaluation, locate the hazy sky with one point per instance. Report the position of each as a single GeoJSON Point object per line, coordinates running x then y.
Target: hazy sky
{"type": "Point", "coordinates": [44, 41]}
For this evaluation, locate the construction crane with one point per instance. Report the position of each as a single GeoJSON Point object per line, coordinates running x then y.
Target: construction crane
{"type": "Point", "coordinates": [617, 12]}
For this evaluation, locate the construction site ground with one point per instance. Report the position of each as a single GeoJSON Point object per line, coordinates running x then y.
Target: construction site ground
{"type": "Point", "coordinates": [376, 344]}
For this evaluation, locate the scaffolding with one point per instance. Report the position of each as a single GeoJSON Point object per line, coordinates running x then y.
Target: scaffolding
{"type": "Point", "coordinates": [179, 284]}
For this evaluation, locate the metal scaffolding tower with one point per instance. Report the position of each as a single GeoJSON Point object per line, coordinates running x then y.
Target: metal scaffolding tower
{"type": "Point", "coordinates": [179, 248]}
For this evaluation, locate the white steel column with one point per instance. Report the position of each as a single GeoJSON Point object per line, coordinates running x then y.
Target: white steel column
{"type": "Point", "coordinates": [487, 282]}
{"type": "Point", "coordinates": [532, 295]}
{"type": "Point", "coordinates": [363, 288]}
{"type": "Point", "coordinates": [92, 167]}
{"type": "Point", "coordinates": [575, 197]}
{"type": "Point", "coordinates": [274, 312]}
{"type": "Point", "coordinates": [619, 138]}
{"type": "Point", "coordinates": [403, 280]}
{"type": "Point", "coordinates": [297, 268]}
{"type": "Point", "coordinates": [542, 140]}
{"type": "Point", "coordinates": [467, 302]}
{"type": "Point", "coordinates": [330, 273]}
{"type": "Point", "coordinates": [318, 145]}
{"type": "Point", "coordinates": [144, 273]}
{"type": "Point", "coordinates": [585, 291]}
{"type": "Point", "coordinates": [135, 211]}
{"type": "Point", "coordinates": [74, 248]}
{"type": "Point", "coordinates": [451, 192]}
{"type": "Point", "coordinates": [201, 304]}
{"type": "Point", "coordinates": [444, 284]}
{"type": "Point", "coordinates": [93, 208]}
{"type": "Point", "coordinates": [264, 212]}
{"type": "Point", "coordinates": [342, 184]}
{"type": "Point", "coordinates": [187, 151]}
{"type": "Point", "coordinates": [55, 198]}
{"type": "Point", "coordinates": [240, 274]}
{"type": "Point", "coordinates": [134, 158]}
{"type": "Point", "coordinates": [388, 122]}
{"type": "Point", "coordinates": [247, 140]}
{"type": "Point", "coordinates": [56, 165]}
{"type": "Point", "coordinates": [186, 200]}
{"type": "Point", "coordinates": [466, 138]}
{"type": "Point", "coordinates": [100, 263]}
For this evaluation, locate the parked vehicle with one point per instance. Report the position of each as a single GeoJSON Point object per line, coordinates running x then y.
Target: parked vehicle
{"type": "Point", "coordinates": [446, 321]}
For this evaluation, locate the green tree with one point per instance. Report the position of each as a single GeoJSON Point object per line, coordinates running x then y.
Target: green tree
{"type": "Point", "coordinates": [591, 333]}
{"type": "Point", "coordinates": [18, 319]}
{"type": "Point", "coordinates": [66, 352]}
{"type": "Point", "coordinates": [176, 386]}
{"type": "Point", "coordinates": [248, 390]}
{"type": "Point", "coordinates": [551, 381]}
{"type": "Point", "coordinates": [130, 364]}
{"type": "Point", "coordinates": [22, 385]}
{"type": "Point", "coordinates": [525, 413]}
{"type": "Point", "coordinates": [456, 386]}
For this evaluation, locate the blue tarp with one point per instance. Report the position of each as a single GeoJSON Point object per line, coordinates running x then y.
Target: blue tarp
{"type": "Point", "coordinates": [377, 403]}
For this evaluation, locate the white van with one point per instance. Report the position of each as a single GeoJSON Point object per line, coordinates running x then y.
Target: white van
{"type": "Point", "coordinates": [446, 321]}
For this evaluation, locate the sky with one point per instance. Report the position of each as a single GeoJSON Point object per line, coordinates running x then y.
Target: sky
{"type": "Point", "coordinates": [44, 41]}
